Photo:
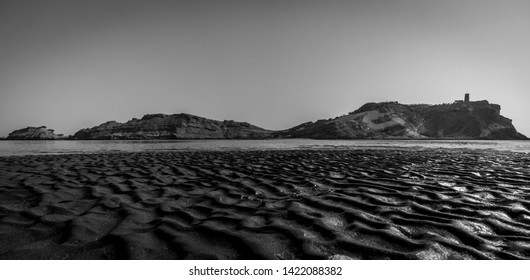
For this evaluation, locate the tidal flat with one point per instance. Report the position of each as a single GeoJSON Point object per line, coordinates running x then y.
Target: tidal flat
{"type": "Point", "coordinates": [276, 204]}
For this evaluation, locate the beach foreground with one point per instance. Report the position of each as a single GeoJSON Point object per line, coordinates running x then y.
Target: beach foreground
{"type": "Point", "coordinates": [373, 204]}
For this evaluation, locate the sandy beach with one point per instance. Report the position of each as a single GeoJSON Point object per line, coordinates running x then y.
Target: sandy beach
{"type": "Point", "coordinates": [362, 204]}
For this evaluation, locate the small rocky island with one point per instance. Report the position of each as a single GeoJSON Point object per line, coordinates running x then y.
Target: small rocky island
{"type": "Point", "coordinates": [463, 119]}
{"type": "Point", "coordinates": [177, 126]}
{"type": "Point", "coordinates": [34, 133]}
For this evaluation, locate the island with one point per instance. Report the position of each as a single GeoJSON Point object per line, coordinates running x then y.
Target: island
{"type": "Point", "coordinates": [461, 120]}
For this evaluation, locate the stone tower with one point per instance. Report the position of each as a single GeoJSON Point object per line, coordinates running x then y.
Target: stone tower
{"type": "Point", "coordinates": [466, 97]}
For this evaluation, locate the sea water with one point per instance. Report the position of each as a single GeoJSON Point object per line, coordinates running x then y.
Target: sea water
{"type": "Point", "coordinates": [17, 148]}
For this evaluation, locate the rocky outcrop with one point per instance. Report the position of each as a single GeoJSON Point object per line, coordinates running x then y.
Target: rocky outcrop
{"type": "Point", "coordinates": [391, 120]}
{"type": "Point", "coordinates": [177, 126]}
{"type": "Point", "coordinates": [34, 133]}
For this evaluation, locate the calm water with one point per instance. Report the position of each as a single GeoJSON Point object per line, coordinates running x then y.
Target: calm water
{"type": "Point", "coordinates": [10, 148]}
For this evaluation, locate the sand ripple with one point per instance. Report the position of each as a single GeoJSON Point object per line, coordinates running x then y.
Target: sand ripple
{"type": "Point", "coordinates": [374, 204]}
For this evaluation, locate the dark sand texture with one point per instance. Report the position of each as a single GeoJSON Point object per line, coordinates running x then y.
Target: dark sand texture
{"type": "Point", "coordinates": [376, 204]}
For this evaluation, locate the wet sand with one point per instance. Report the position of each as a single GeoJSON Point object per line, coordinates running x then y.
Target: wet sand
{"type": "Point", "coordinates": [373, 204]}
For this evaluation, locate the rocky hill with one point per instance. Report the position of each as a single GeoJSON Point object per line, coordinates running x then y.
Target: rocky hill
{"type": "Point", "coordinates": [391, 120]}
{"type": "Point", "coordinates": [34, 133]}
{"type": "Point", "coordinates": [177, 126]}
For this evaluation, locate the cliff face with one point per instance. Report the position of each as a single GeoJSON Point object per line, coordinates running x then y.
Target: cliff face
{"type": "Point", "coordinates": [34, 133]}
{"type": "Point", "coordinates": [461, 120]}
{"type": "Point", "coordinates": [177, 126]}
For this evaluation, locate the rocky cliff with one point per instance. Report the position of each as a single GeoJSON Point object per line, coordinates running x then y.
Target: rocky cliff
{"type": "Point", "coordinates": [391, 120]}
{"type": "Point", "coordinates": [34, 133]}
{"type": "Point", "coordinates": [177, 126]}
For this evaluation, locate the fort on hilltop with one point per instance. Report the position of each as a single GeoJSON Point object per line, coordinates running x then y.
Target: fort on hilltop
{"type": "Point", "coordinates": [466, 99]}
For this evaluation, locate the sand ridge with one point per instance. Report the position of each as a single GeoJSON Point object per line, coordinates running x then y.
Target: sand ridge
{"type": "Point", "coordinates": [360, 204]}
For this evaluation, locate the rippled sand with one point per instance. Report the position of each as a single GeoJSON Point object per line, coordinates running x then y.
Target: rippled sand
{"type": "Point", "coordinates": [375, 204]}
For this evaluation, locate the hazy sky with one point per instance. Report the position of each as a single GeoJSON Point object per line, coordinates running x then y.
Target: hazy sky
{"type": "Point", "coordinates": [274, 63]}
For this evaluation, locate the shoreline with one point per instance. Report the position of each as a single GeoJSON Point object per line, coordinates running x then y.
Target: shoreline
{"type": "Point", "coordinates": [363, 149]}
{"type": "Point", "coordinates": [274, 138]}
{"type": "Point", "coordinates": [271, 204]}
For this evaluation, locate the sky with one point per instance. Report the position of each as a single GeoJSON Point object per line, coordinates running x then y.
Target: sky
{"type": "Point", "coordinates": [75, 64]}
